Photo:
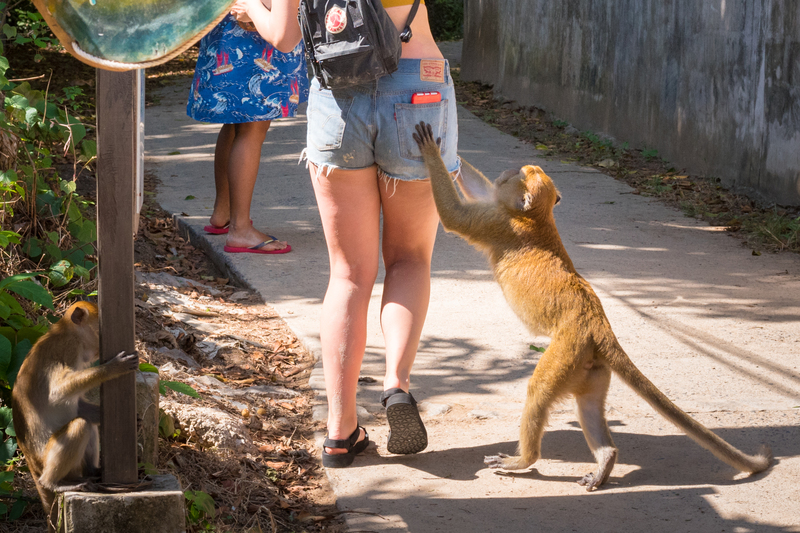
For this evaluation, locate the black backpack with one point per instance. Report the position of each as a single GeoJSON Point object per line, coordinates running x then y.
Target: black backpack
{"type": "Point", "coordinates": [350, 42]}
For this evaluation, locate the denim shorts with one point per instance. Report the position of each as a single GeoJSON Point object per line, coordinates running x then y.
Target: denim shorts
{"type": "Point", "coordinates": [371, 124]}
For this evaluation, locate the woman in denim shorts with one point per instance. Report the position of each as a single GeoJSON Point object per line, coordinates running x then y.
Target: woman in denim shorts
{"type": "Point", "coordinates": [363, 163]}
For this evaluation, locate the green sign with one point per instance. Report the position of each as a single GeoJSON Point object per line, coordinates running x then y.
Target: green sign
{"type": "Point", "coordinates": [130, 34]}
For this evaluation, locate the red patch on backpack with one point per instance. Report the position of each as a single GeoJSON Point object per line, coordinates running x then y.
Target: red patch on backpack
{"type": "Point", "coordinates": [335, 20]}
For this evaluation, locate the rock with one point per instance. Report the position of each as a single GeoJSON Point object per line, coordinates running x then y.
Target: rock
{"type": "Point", "coordinates": [211, 348]}
{"type": "Point", "coordinates": [171, 371]}
{"type": "Point", "coordinates": [147, 413]}
{"type": "Point", "coordinates": [434, 409]}
{"type": "Point", "coordinates": [179, 355]}
{"type": "Point", "coordinates": [239, 295]}
{"type": "Point", "coordinates": [482, 414]}
{"type": "Point", "coordinates": [210, 427]}
{"type": "Point", "coordinates": [363, 414]}
{"type": "Point", "coordinates": [207, 327]}
{"type": "Point", "coordinates": [255, 391]}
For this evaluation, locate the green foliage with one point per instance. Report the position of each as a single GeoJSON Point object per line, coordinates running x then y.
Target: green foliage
{"type": "Point", "coordinates": [177, 386]}
{"type": "Point", "coordinates": [166, 426]}
{"type": "Point", "coordinates": [17, 331]}
{"type": "Point", "coordinates": [8, 448]}
{"type": "Point", "coordinates": [47, 231]}
{"type": "Point", "coordinates": [58, 235]}
{"type": "Point", "coordinates": [656, 184]}
{"type": "Point", "coordinates": [149, 469]}
{"type": "Point", "coordinates": [446, 18]}
{"type": "Point", "coordinates": [776, 229]}
{"type": "Point", "coordinates": [649, 153]}
{"type": "Point", "coordinates": [24, 26]}
{"type": "Point", "coordinates": [690, 210]}
{"type": "Point", "coordinates": [7, 493]}
{"type": "Point", "coordinates": [199, 508]}
{"type": "Point", "coordinates": [9, 444]}
{"type": "Point", "coordinates": [163, 385]}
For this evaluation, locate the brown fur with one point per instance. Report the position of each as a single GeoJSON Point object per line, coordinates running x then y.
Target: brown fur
{"type": "Point", "coordinates": [56, 428]}
{"type": "Point", "coordinates": [512, 221]}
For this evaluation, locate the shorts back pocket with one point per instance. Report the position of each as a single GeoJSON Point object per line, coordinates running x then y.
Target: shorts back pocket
{"type": "Point", "coordinates": [409, 115]}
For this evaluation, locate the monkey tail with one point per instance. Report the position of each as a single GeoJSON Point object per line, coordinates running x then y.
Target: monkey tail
{"type": "Point", "coordinates": [633, 377]}
{"type": "Point", "coordinates": [50, 504]}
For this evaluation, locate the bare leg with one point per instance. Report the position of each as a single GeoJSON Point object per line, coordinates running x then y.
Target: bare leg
{"type": "Point", "coordinates": [222, 201]}
{"type": "Point", "coordinates": [349, 206]}
{"type": "Point", "coordinates": [240, 172]}
{"type": "Point", "coordinates": [410, 221]}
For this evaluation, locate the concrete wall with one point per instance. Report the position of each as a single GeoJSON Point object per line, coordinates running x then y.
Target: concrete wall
{"type": "Point", "coordinates": [713, 85]}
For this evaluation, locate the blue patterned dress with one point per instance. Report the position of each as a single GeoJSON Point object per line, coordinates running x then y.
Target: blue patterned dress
{"type": "Point", "coordinates": [240, 77]}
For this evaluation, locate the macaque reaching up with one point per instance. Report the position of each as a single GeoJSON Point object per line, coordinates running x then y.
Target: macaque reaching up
{"type": "Point", "coordinates": [56, 428]}
{"type": "Point", "coordinates": [512, 221]}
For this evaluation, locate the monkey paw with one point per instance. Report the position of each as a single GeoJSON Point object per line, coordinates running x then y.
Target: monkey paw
{"type": "Point", "coordinates": [424, 137]}
{"type": "Point", "coordinates": [506, 462]}
{"type": "Point", "coordinates": [590, 481]}
{"type": "Point", "coordinates": [126, 362]}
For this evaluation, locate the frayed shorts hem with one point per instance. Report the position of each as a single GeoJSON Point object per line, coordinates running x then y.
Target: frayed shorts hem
{"type": "Point", "coordinates": [327, 168]}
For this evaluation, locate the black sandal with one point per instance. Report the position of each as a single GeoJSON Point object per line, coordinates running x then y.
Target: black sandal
{"type": "Point", "coordinates": [406, 431]}
{"type": "Point", "coordinates": [351, 443]}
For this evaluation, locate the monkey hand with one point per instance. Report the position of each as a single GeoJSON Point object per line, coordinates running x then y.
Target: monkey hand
{"type": "Point", "coordinates": [424, 138]}
{"type": "Point", "coordinates": [124, 363]}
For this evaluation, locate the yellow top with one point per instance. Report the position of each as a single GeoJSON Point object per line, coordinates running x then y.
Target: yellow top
{"type": "Point", "coordinates": [395, 3]}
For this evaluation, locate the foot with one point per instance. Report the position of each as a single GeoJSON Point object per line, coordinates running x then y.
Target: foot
{"type": "Point", "coordinates": [249, 236]}
{"type": "Point", "coordinates": [336, 451]}
{"type": "Point", "coordinates": [353, 445]}
{"type": "Point", "coordinates": [220, 219]}
{"type": "Point", "coordinates": [407, 433]}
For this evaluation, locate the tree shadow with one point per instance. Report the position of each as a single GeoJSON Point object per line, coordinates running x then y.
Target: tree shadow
{"type": "Point", "coordinates": [687, 473]}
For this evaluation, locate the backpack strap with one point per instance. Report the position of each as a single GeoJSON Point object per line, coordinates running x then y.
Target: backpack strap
{"type": "Point", "coordinates": [405, 35]}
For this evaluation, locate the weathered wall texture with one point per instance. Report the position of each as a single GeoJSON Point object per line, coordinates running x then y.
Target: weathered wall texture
{"type": "Point", "coordinates": [714, 85]}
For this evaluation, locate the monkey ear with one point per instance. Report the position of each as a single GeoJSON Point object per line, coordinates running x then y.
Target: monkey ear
{"type": "Point", "coordinates": [78, 315]}
{"type": "Point", "coordinates": [526, 202]}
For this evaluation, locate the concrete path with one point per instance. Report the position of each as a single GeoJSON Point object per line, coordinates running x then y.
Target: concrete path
{"type": "Point", "coordinates": [713, 326]}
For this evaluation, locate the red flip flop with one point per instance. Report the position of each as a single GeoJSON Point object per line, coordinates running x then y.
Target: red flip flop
{"type": "Point", "coordinates": [257, 249]}
{"type": "Point", "coordinates": [211, 229]}
{"type": "Point", "coordinates": [217, 230]}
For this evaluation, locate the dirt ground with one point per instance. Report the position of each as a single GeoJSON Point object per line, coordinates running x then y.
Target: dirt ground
{"type": "Point", "coordinates": [282, 487]}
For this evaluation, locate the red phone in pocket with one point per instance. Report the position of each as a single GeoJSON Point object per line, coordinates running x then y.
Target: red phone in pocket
{"type": "Point", "coordinates": [426, 98]}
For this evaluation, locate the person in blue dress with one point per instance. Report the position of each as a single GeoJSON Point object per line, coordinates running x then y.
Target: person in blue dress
{"type": "Point", "coordinates": [243, 82]}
